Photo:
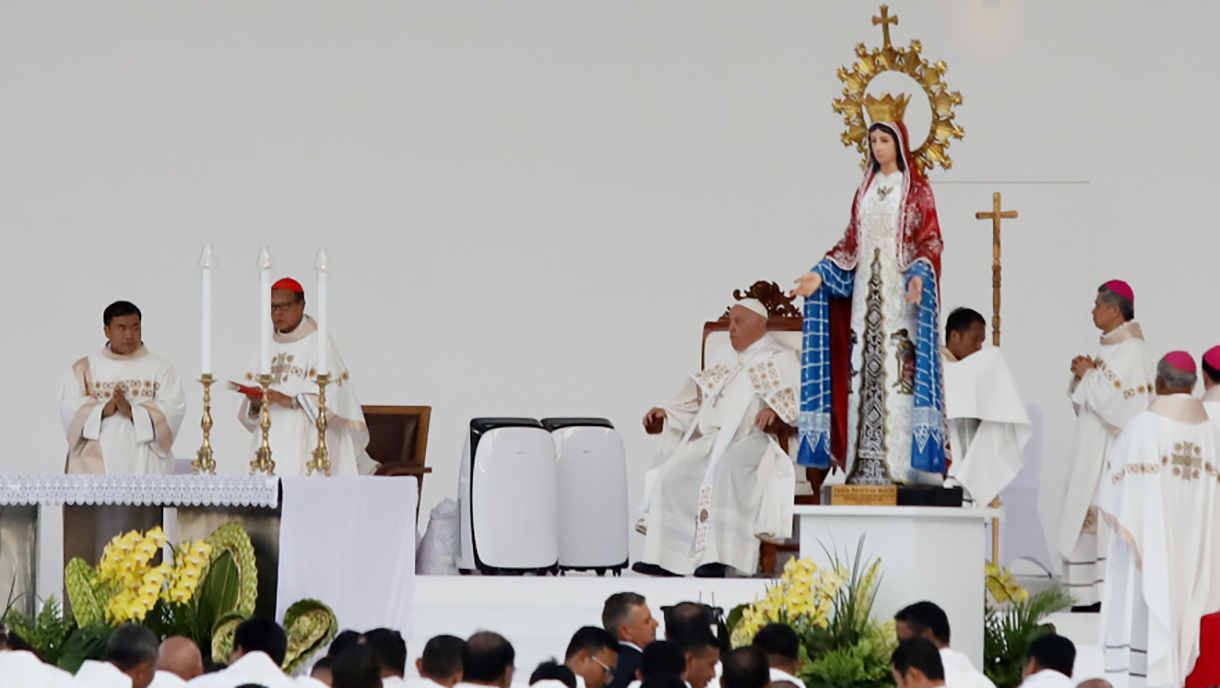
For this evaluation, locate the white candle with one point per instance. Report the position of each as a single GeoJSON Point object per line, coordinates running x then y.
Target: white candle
{"type": "Point", "coordinates": [323, 326]}
{"type": "Point", "coordinates": [205, 262]}
{"type": "Point", "coordinates": [264, 307]}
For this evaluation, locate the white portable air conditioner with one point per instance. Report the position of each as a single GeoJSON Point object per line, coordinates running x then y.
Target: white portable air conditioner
{"type": "Point", "coordinates": [507, 498]}
{"type": "Point", "coordinates": [593, 525]}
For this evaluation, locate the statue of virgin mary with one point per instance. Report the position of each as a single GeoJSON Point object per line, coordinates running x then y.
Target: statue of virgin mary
{"type": "Point", "coordinates": [871, 392]}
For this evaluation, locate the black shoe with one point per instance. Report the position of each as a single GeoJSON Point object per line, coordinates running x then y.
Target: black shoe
{"type": "Point", "coordinates": [1087, 609]}
{"type": "Point", "coordinates": [652, 570]}
{"type": "Point", "coordinates": [712, 571]}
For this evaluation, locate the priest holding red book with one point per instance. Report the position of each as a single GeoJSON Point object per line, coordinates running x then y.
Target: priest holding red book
{"type": "Point", "coordinates": [294, 394]}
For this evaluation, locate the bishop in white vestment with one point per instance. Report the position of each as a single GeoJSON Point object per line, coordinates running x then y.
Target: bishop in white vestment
{"type": "Point", "coordinates": [1211, 383]}
{"type": "Point", "coordinates": [988, 425]}
{"type": "Point", "coordinates": [1160, 496]}
{"type": "Point", "coordinates": [294, 395]}
{"type": "Point", "coordinates": [1107, 391]}
{"type": "Point", "coordinates": [121, 406]}
{"type": "Point", "coordinates": [721, 482]}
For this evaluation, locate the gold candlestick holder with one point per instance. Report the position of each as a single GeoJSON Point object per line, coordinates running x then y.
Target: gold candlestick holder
{"type": "Point", "coordinates": [204, 463]}
{"type": "Point", "coordinates": [262, 462]}
{"type": "Point", "coordinates": [321, 456]}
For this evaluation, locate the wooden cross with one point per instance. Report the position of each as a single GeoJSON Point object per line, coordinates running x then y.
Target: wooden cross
{"type": "Point", "coordinates": [996, 216]}
{"type": "Point", "coordinates": [885, 20]}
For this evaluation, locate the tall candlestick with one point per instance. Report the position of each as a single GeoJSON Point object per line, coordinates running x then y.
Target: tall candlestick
{"type": "Point", "coordinates": [323, 325]}
{"type": "Point", "coordinates": [205, 262]}
{"type": "Point", "coordinates": [264, 316]}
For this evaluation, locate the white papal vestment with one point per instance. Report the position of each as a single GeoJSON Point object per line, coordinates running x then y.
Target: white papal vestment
{"type": "Point", "coordinates": [719, 482]}
{"type": "Point", "coordinates": [294, 434]}
{"type": "Point", "coordinates": [117, 444]}
{"type": "Point", "coordinates": [988, 425]}
{"type": "Point", "coordinates": [1163, 575]}
{"type": "Point", "coordinates": [1105, 399]}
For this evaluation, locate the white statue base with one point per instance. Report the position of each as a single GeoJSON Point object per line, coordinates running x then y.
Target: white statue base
{"type": "Point", "coordinates": [927, 553]}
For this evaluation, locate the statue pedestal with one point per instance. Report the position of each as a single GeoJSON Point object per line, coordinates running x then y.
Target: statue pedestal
{"type": "Point", "coordinates": [927, 553]}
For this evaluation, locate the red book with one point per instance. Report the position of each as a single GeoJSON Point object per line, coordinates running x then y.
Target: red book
{"type": "Point", "coordinates": [254, 393]}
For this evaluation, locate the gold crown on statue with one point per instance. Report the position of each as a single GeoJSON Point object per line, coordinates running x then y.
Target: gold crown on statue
{"type": "Point", "coordinates": [887, 108]}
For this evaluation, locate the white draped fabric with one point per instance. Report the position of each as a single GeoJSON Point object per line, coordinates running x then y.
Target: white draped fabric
{"type": "Point", "coordinates": [138, 445]}
{"type": "Point", "coordinates": [358, 555]}
{"type": "Point", "coordinates": [1047, 678]}
{"type": "Point", "coordinates": [294, 434]}
{"type": "Point", "coordinates": [1160, 496]}
{"type": "Point", "coordinates": [1105, 399]}
{"type": "Point", "coordinates": [988, 425]}
{"type": "Point", "coordinates": [719, 482]}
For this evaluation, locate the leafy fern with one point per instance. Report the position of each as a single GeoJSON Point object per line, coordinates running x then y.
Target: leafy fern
{"type": "Point", "coordinates": [1008, 632]}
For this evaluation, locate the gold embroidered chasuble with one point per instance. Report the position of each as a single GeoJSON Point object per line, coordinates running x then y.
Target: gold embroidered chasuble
{"type": "Point", "coordinates": [1105, 399]}
{"type": "Point", "coordinates": [1160, 494]}
{"type": "Point", "coordinates": [294, 433]}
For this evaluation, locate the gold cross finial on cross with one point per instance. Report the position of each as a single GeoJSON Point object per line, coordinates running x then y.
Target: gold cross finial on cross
{"type": "Point", "coordinates": [885, 20]}
{"type": "Point", "coordinates": [996, 216]}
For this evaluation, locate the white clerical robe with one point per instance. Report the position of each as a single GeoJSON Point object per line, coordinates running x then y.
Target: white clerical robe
{"type": "Point", "coordinates": [116, 444]}
{"type": "Point", "coordinates": [1105, 399]}
{"type": "Point", "coordinates": [1211, 402]}
{"type": "Point", "coordinates": [25, 669]}
{"type": "Point", "coordinates": [988, 425]}
{"type": "Point", "coordinates": [101, 675]}
{"type": "Point", "coordinates": [294, 433]}
{"type": "Point", "coordinates": [164, 679]}
{"type": "Point", "coordinates": [1047, 678]}
{"type": "Point", "coordinates": [959, 671]}
{"type": "Point", "coordinates": [719, 482]}
{"type": "Point", "coordinates": [256, 668]}
{"type": "Point", "coordinates": [1160, 496]}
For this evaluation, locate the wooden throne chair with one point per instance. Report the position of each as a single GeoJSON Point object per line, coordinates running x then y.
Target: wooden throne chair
{"type": "Point", "coordinates": [398, 440]}
{"type": "Point", "coordinates": [784, 322]}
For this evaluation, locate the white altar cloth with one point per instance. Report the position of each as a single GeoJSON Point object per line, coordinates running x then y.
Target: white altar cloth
{"type": "Point", "coordinates": [144, 490]}
{"type": "Point", "coordinates": [350, 542]}
{"type": "Point", "coordinates": [927, 553]}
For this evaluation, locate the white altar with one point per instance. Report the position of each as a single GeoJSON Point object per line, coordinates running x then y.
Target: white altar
{"type": "Point", "coordinates": [927, 553]}
{"type": "Point", "coordinates": [348, 541]}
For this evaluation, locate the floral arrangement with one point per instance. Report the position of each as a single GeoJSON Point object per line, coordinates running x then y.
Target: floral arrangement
{"type": "Point", "coordinates": [202, 590]}
{"type": "Point", "coordinates": [1012, 619]}
{"type": "Point", "coordinates": [125, 586]}
{"type": "Point", "coordinates": [830, 609]}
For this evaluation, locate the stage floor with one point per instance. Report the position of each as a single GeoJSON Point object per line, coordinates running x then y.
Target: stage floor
{"type": "Point", "coordinates": [539, 615]}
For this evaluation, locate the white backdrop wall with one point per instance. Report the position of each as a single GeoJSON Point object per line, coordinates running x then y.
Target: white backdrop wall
{"type": "Point", "coordinates": [531, 208]}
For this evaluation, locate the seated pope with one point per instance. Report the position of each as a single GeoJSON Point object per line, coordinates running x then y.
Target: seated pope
{"type": "Point", "coordinates": [721, 482]}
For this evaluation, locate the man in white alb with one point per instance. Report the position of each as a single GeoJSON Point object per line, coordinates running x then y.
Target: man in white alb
{"type": "Point", "coordinates": [1160, 495]}
{"type": "Point", "coordinates": [988, 425]}
{"type": "Point", "coordinates": [294, 394]}
{"type": "Point", "coordinates": [121, 406]}
{"type": "Point", "coordinates": [928, 620]}
{"type": "Point", "coordinates": [1107, 391]}
{"type": "Point", "coordinates": [721, 482]}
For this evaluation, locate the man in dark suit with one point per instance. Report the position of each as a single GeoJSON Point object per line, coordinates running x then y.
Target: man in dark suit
{"type": "Point", "coordinates": [626, 617]}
